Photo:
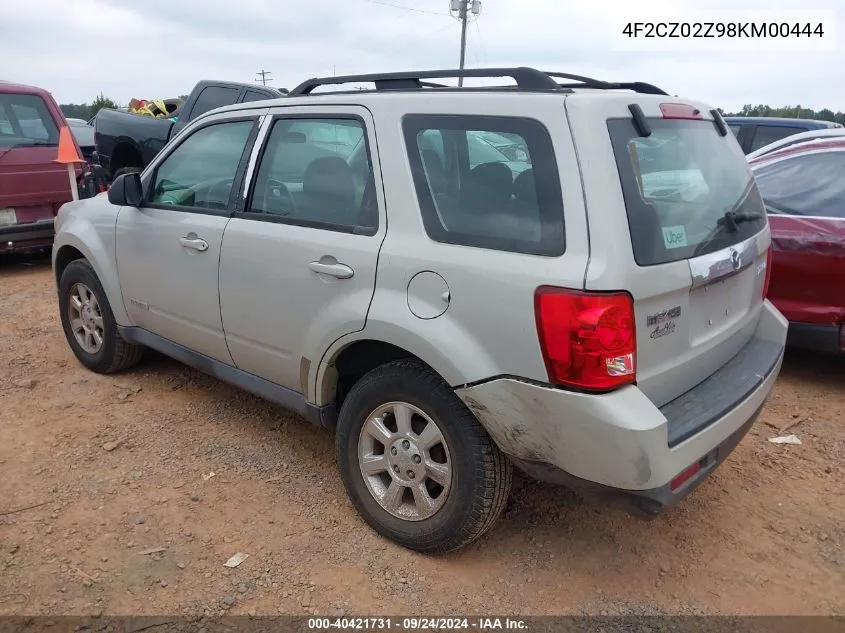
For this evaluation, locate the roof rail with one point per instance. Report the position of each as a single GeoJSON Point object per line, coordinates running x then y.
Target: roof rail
{"type": "Point", "coordinates": [525, 78]}
{"type": "Point", "coordinates": [529, 79]}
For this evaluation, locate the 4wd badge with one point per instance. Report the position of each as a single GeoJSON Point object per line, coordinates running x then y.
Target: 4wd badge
{"type": "Point", "coordinates": [663, 322]}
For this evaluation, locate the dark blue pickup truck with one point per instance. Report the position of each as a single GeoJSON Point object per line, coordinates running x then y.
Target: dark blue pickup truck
{"type": "Point", "coordinates": [127, 141]}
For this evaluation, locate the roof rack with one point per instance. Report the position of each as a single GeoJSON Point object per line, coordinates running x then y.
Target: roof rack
{"type": "Point", "coordinates": [528, 79]}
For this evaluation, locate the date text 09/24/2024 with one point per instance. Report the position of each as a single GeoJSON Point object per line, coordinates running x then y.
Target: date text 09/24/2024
{"type": "Point", "coordinates": [723, 29]}
{"type": "Point", "coordinates": [417, 624]}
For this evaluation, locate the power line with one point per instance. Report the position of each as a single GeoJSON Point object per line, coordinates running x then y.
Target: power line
{"type": "Point", "coordinates": [397, 6]}
{"type": "Point", "coordinates": [264, 76]}
{"type": "Point", "coordinates": [481, 43]}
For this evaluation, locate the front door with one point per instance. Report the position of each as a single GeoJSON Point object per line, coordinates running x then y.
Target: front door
{"type": "Point", "coordinates": [168, 250]}
{"type": "Point", "coordinates": [298, 265]}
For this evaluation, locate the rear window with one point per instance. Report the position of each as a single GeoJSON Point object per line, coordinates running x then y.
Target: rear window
{"type": "Point", "coordinates": [487, 182]}
{"type": "Point", "coordinates": [678, 183]}
{"type": "Point", "coordinates": [767, 134]}
{"type": "Point", "coordinates": [807, 185]}
{"type": "Point", "coordinates": [25, 121]}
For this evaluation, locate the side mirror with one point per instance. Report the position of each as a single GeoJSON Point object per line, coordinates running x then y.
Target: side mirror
{"type": "Point", "coordinates": [125, 191]}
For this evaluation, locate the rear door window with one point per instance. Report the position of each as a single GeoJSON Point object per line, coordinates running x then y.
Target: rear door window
{"type": "Point", "coordinates": [317, 173]}
{"type": "Point", "coordinates": [252, 95]}
{"type": "Point", "coordinates": [214, 97]}
{"type": "Point", "coordinates": [678, 184]}
{"type": "Point", "coordinates": [487, 182]}
{"type": "Point", "coordinates": [26, 121]}
{"type": "Point", "coordinates": [766, 134]}
{"type": "Point", "coordinates": [805, 185]}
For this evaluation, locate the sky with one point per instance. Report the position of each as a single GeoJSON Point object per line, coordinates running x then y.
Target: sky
{"type": "Point", "coordinates": [161, 48]}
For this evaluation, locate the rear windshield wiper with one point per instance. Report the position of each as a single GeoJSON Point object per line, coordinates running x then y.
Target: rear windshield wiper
{"type": "Point", "coordinates": [731, 219]}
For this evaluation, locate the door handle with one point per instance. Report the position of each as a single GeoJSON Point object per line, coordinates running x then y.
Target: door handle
{"type": "Point", "coordinates": [196, 243]}
{"type": "Point", "coordinates": [341, 271]}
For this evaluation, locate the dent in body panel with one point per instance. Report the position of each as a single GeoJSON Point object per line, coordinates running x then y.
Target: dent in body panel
{"type": "Point", "coordinates": [526, 422]}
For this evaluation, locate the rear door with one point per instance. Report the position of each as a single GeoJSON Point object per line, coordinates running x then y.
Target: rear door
{"type": "Point", "coordinates": [31, 184]}
{"type": "Point", "coordinates": [298, 262]}
{"type": "Point", "coordinates": [804, 192]}
{"type": "Point", "coordinates": [658, 229]}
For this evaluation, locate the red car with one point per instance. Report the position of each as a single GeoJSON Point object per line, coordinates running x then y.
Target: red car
{"type": "Point", "coordinates": [803, 186]}
{"type": "Point", "coordinates": [32, 186]}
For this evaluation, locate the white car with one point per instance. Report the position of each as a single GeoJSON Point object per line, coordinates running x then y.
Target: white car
{"type": "Point", "coordinates": [596, 317]}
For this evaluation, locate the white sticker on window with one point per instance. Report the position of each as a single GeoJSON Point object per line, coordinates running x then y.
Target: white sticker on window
{"type": "Point", "coordinates": [674, 236]}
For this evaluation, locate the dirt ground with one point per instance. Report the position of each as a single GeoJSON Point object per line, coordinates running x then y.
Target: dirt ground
{"type": "Point", "coordinates": [108, 505]}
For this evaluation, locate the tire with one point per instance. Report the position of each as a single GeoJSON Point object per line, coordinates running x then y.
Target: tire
{"type": "Point", "coordinates": [114, 353]}
{"type": "Point", "coordinates": [480, 473]}
{"type": "Point", "coordinates": [125, 170]}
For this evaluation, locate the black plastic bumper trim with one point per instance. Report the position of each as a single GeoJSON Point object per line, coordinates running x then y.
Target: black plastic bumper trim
{"type": "Point", "coordinates": [718, 394]}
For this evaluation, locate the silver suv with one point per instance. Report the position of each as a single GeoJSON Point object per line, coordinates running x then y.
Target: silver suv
{"type": "Point", "coordinates": [563, 274]}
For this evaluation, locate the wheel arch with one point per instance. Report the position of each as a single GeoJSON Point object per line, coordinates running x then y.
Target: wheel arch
{"type": "Point", "coordinates": [352, 356]}
{"type": "Point", "coordinates": [125, 154]}
{"type": "Point", "coordinates": [71, 247]}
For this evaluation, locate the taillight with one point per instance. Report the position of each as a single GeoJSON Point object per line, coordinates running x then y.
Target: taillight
{"type": "Point", "coordinates": [588, 340]}
{"type": "Point", "coordinates": [768, 272]}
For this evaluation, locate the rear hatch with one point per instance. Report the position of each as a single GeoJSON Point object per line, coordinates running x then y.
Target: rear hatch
{"type": "Point", "coordinates": [32, 186]}
{"type": "Point", "coordinates": [678, 222]}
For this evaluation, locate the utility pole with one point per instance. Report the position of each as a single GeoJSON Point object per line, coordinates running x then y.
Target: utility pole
{"type": "Point", "coordinates": [264, 76]}
{"type": "Point", "coordinates": [462, 9]}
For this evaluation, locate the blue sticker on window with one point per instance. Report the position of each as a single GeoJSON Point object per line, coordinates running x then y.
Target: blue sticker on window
{"type": "Point", "coordinates": [674, 236]}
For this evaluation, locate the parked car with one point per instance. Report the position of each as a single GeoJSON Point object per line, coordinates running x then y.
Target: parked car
{"type": "Point", "coordinates": [756, 132]}
{"type": "Point", "coordinates": [84, 135]}
{"type": "Point", "coordinates": [601, 334]}
{"type": "Point", "coordinates": [32, 185]}
{"type": "Point", "coordinates": [821, 135]}
{"type": "Point", "coordinates": [803, 187]}
{"type": "Point", "coordinates": [126, 141]}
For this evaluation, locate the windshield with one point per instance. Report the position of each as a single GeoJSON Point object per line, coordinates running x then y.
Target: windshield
{"type": "Point", "coordinates": [83, 133]}
{"type": "Point", "coordinates": [679, 183]}
{"type": "Point", "coordinates": [25, 121]}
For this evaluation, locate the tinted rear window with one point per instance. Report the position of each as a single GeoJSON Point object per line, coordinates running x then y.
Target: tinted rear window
{"type": "Point", "coordinates": [678, 184]}
{"type": "Point", "coordinates": [26, 121]}
{"type": "Point", "coordinates": [766, 134]}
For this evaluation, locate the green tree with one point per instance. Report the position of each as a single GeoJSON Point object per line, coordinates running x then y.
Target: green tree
{"type": "Point", "coordinates": [791, 112]}
{"type": "Point", "coordinates": [102, 102]}
{"type": "Point", "coordinates": [76, 110]}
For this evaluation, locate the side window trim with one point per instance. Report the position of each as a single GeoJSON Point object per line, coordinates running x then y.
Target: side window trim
{"type": "Point", "coordinates": [257, 156]}
{"type": "Point", "coordinates": [237, 182]}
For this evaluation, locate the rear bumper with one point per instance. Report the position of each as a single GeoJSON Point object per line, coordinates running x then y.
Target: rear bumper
{"type": "Point", "coordinates": [828, 339]}
{"type": "Point", "coordinates": [21, 237]}
{"type": "Point", "coordinates": [620, 445]}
